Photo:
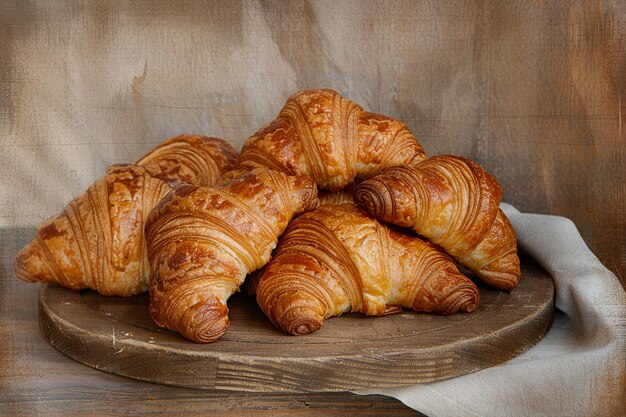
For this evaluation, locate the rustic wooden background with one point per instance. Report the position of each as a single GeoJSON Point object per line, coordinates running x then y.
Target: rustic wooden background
{"type": "Point", "coordinates": [531, 89]}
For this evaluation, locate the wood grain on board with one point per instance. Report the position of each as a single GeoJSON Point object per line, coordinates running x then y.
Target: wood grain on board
{"type": "Point", "coordinates": [530, 89]}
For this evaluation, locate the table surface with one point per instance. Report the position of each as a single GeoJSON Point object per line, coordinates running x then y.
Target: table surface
{"type": "Point", "coordinates": [36, 379]}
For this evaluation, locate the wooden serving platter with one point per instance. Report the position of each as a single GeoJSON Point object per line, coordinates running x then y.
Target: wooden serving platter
{"type": "Point", "coordinates": [350, 352]}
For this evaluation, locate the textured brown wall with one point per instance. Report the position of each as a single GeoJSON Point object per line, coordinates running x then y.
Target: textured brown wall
{"type": "Point", "coordinates": [530, 89]}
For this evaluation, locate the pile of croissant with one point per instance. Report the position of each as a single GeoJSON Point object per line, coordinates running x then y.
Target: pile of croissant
{"type": "Point", "coordinates": [192, 218]}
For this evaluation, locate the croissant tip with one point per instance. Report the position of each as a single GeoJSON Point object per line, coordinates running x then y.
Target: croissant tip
{"type": "Point", "coordinates": [367, 198]}
{"type": "Point", "coordinates": [18, 265]}
{"type": "Point", "coordinates": [205, 321]}
{"type": "Point", "coordinates": [470, 305]}
{"type": "Point", "coordinates": [304, 327]}
{"type": "Point", "coordinates": [508, 285]}
{"type": "Point", "coordinates": [496, 277]}
{"type": "Point", "coordinates": [465, 298]}
{"type": "Point", "coordinates": [210, 334]}
{"type": "Point", "coordinates": [28, 262]}
{"type": "Point", "coordinates": [299, 320]}
{"type": "Point", "coordinates": [469, 298]}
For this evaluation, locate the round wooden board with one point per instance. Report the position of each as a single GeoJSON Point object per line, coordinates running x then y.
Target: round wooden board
{"type": "Point", "coordinates": [350, 352]}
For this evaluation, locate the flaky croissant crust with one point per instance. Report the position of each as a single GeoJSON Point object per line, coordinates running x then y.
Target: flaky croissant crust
{"type": "Point", "coordinates": [337, 259]}
{"type": "Point", "coordinates": [203, 241]}
{"type": "Point", "coordinates": [322, 135]}
{"type": "Point", "coordinates": [453, 202]}
{"type": "Point", "coordinates": [192, 159]}
{"type": "Point", "coordinates": [97, 241]}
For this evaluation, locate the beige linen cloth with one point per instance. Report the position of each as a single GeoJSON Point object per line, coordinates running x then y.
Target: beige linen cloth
{"type": "Point", "coordinates": [578, 369]}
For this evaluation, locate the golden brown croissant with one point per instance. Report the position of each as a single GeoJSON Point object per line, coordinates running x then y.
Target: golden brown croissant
{"type": "Point", "coordinates": [337, 259]}
{"type": "Point", "coordinates": [97, 241]}
{"type": "Point", "coordinates": [453, 202]}
{"type": "Point", "coordinates": [192, 159]}
{"type": "Point", "coordinates": [203, 241]}
{"type": "Point", "coordinates": [321, 135]}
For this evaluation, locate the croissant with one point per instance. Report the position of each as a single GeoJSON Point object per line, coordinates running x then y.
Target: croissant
{"type": "Point", "coordinates": [338, 259]}
{"type": "Point", "coordinates": [203, 241]}
{"type": "Point", "coordinates": [192, 159]}
{"type": "Point", "coordinates": [97, 241]}
{"type": "Point", "coordinates": [453, 202]}
{"type": "Point", "coordinates": [321, 135]}
{"type": "Point", "coordinates": [343, 196]}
